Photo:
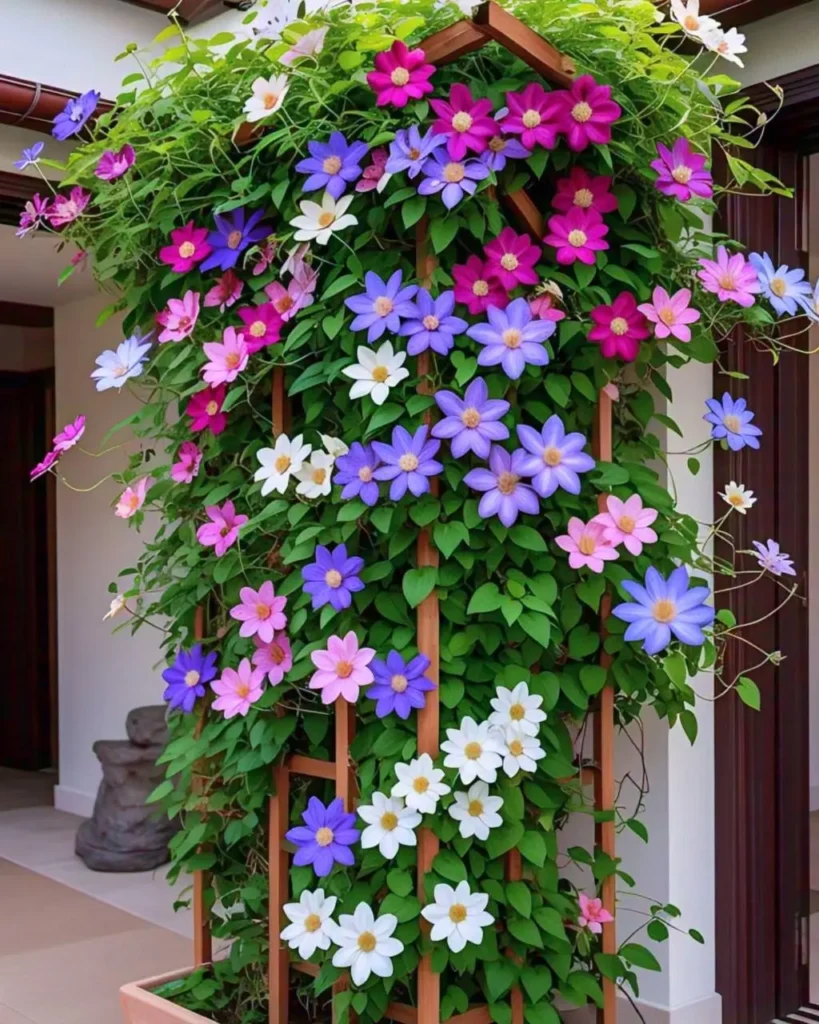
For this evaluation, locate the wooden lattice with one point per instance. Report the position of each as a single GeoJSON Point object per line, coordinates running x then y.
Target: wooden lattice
{"type": "Point", "coordinates": [489, 23]}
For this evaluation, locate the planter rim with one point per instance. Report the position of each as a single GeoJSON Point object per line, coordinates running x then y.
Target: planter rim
{"type": "Point", "coordinates": [139, 996]}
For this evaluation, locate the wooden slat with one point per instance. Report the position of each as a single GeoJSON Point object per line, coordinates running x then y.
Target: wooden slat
{"type": "Point", "coordinates": [401, 1012]}
{"type": "Point", "coordinates": [300, 764]}
{"type": "Point", "coordinates": [453, 42]}
{"type": "Point", "coordinates": [202, 939]}
{"type": "Point", "coordinates": [524, 42]}
{"type": "Point", "coordinates": [476, 1015]}
{"type": "Point", "coordinates": [343, 767]}
{"type": "Point", "coordinates": [514, 873]}
{"type": "Point", "coordinates": [278, 816]}
{"type": "Point", "coordinates": [280, 406]}
{"type": "Point", "coordinates": [524, 211]}
{"type": "Point", "coordinates": [303, 967]}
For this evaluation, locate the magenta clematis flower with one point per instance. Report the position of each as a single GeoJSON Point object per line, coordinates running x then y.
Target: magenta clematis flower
{"type": "Point", "coordinates": [49, 461]}
{"type": "Point", "coordinates": [476, 288]}
{"type": "Point", "coordinates": [543, 307]}
{"type": "Point", "coordinates": [263, 326]}
{"type": "Point", "coordinates": [670, 314]}
{"type": "Point", "coordinates": [69, 435]}
{"type": "Point", "coordinates": [113, 165]}
{"type": "Point", "coordinates": [587, 545]}
{"type": "Point", "coordinates": [225, 293]}
{"type": "Point", "coordinates": [535, 115]}
{"type": "Point", "coordinates": [593, 914]}
{"type": "Point", "coordinates": [132, 498]}
{"type": "Point", "coordinates": [467, 123]}
{"type": "Point", "coordinates": [261, 613]}
{"type": "Point", "coordinates": [267, 253]}
{"type": "Point", "coordinates": [179, 319]}
{"type": "Point", "coordinates": [730, 278]}
{"type": "Point", "coordinates": [400, 75]}
{"type": "Point", "coordinates": [619, 328]}
{"type": "Point", "coordinates": [35, 212]}
{"type": "Point", "coordinates": [188, 248]}
{"type": "Point", "coordinates": [226, 359]}
{"type": "Point", "coordinates": [577, 235]}
{"type": "Point", "coordinates": [275, 658]}
{"type": "Point", "coordinates": [512, 338]}
{"type": "Point", "coordinates": [471, 423]}
{"type": "Point", "coordinates": [373, 176]}
{"type": "Point", "coordinates": [505, 495]}
{"type": "Point", "coordinates": [587, 113]}
{"type": "Point", "coordinates": [511, 258]}
{"type": "Point", "coordinates": [238, 689]}
{"type": "Point", "coordinates": [205, 410]}
{"type": "Point", "coordinates": [190, 458]}
{"type": "Point", "coordinates": [342, 669]}
{"type": "Point", "coordinates": [66, 209]}
{"type": "Point", "coordinates": [408, 462]}
{"type": "Point", "coordinates": [681, 172]}
{"type": "Point", "coordinates": [627, 523]}
{"type": "Point", "coordinates": [589, 192]}
{"type": "Point", "coordinates": [297, 295]}
{"type": "Point", "coordinates": [223, 529]}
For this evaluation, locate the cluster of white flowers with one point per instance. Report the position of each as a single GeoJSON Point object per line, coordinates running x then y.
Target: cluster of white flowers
{"type": "Point", "coordinates": [293, 458]}
{"type": "Point", "coordinates": [708, 31]}
{"type": "Point", "coordinates": [376, 372]}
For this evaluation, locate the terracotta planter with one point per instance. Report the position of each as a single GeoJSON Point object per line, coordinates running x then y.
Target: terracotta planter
{"type": "Point", "coordinates": [140, 1005]}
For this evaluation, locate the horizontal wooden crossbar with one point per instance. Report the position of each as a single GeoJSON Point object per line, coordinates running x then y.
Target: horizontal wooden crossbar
{"type": "Point", "coordinates": [300, 764]}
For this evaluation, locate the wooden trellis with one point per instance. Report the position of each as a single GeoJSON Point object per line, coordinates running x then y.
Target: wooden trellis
{"type": "Point", "coordinates": [489, 23]}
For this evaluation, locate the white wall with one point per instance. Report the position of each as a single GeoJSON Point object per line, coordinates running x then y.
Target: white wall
{"type": "Point", "coordinates": [102, 675]}
{"type": "Point", "coordinates": [780, 44]}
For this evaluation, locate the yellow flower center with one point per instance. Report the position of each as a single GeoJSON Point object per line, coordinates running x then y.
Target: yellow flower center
{"type": "Point", "coordinates": [480, 288]}
{"type": "Point", "coordinates": [666, 314]}
{"type": "Point", "coordinates": [431, 323]}
{"type": "Point", "coordinates": [421, 784]}
{"type": "Point", "coordinates": [507, 482]}
{"type": "Point", "coordinates": [691, 23]}
{"type": "Point", "coordinates": [333, 578]}
{"type": "Point", "coordinates": [517, 712]}
{"type": "Point", "coordinates": [399, 683]}
{"type": "Point", "coordinates": [276, 653]}
{"type": "Point", "coordinates": [583, 198]}
{"type": "Point", "coordinates": [473, 750]}
{"type": "Point", "coordinates": [457, 913]}
{"type": "Point", "coordinates": [475, 808]}
{"type": "Point", "coordinates": [192, 678]}
{"type": "Point", "coordinates": [531, 119]}
{"type": "Point", "coordinates": [552, 457]}
{"type": "Point", "coordinates": [325, 219]}
{"type": "Point", "coordinates": [727, 281]}
{"type": "Point", "coordinates": [732, 423]}
{"type": "Point", "coordinates": [389, 821]}
{"type": "Point", "coordinates": [270, 99]}
{"type": "Point", "coordinates": [318, 475]}
{"type": "Point", "coordinates": [262, 611]}
{"type": "Point", "coordinates": [587, 544]}
{"type": "Point", "coordinates": [408, 462]}
{"type": "Point", "coordinates": [497, 144]}
{"type": "Point", "coordinates": [258, 329]}
{"type": "Point", "coordinates": [779, 286]}
{"type": "Point", "coordinates": [133, 502]}
{"type": "Point", "coordinates": [664, 610]}
{"type": "Point", "coordinates": [331, 165]}
{"type": "Point", "coordinates": [682, 174]}
{"type": "Point", "coordinates": [454, 172]}
{"type": "Point", "coordinates": [232, 360]}
{"type": "Point", "coordinates": [577, 238]}
{"type": "Point", "coordinates": [516, 748]}
{"type": "Point", "coordinates": [242, 690]}
{"type": "Point", "coordinates": [509, 261]}
{"type": "Point", "coordinates": [312, 923]}
{"type": "Point", "coordinates": [344, 669]}
{"type": "Point", "coordinates": [282, 464]}
{"type": "Point", "coordinates": [736, 499]}
{"type": "Point", "coordinates": [324, 836]}
{"type": "Point", "coordinates": [383, 305]}
{"type": "Point", "coordinates": [380, 374]}
{"type": "Point", "coordinates": [512, 337]}
{"type": "Point", "coordinates": [627, 524]}
{"type": "Point", "coordinates": [414, 154]}
{"type": "Point", "coordinates": [365, 474]}
{"type": "Point", "coordinates": [581, 112]}
{"type": "Point", "coordinates": [470, 418]}
{"type": "Point", "coordinates": [212, 408]}
{"type": "Point", "coordinates": [186, 250]}
{"type": "Point", "coordinates": [400, 76]}
{"type": "Point", "coordinates": [462, 121]}
{"type": "Point", "coordinates": [234, 239]}
{"type": "Point", "coordinates": [366, 942]}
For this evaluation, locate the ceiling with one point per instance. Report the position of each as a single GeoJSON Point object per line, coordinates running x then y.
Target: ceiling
{"type": "Point", "coordinates": [29, 268]}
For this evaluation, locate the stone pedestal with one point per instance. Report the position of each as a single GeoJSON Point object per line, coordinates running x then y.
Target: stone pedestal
{"type": "Point", "coordinates": [124, 834]}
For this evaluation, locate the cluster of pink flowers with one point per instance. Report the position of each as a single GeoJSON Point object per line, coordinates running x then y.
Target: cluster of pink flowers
{"type": "Point", "coordinates": [62, 442]}
{"type": "Point", "coordinates": [592, 544]}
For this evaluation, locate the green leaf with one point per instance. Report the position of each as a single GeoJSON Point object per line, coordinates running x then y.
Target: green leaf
{"type": "Point", "coordinates": [550, 921]}
{"type": "Point", "coordinates": [449, 866]}
{"type": "Point", "coordinates": [519, 897]}
{"type": "Point", "coordinates": [501, 840]}
{"type": "Point", "coordinates": [532, 846]}
{"type": "Point", "coordinates": [442, 231]}
{"type": "Point", "coordinates": [528, 538]}
{"type": "Point", "coordinates": [500, 975]}
{"type": "Point", "coordinates": [413, 210]}
{"type": "Point", "coordinates": [626, 200]}
{"type": "Point", "coordinates": [449, 536]}
{"type": "Point", "coordinates": [538, 626]}
{"type": "Point", "coordinates": [675, 668]}
{"type": "Point", "coordinates": [537, 981]}
{"type": "Point", "coordinates": [485, 599]}
{"type": "Point", "coordinates": [525, 931]}
{"type": "Point", "coordinates": [405, 908]}
{"type": "Point", "coordinates": [657, 931]}
{"type": "Point", "coordinates": [418, 584]}
{"type": "Point", "coordinates": [639, 956]}
{"type": "Point", "coordinates": [593, 678]}
{"type": "Point", "coordinates": [559, 389]}
{"type": "Point", "coordinates": [748, 693]}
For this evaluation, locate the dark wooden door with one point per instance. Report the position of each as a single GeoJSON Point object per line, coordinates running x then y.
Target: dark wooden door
{"type": "Point", "coordinates": [762, 797]}
{"type": "Point", "coordinates": [25, 718]}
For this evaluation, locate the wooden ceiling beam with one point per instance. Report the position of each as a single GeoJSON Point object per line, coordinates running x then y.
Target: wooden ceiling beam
{"type": "Point", "coordinates": [33, 105]}
{"type": "Point", "coordinates": [187, 10]}
{"type": "Point", "coordinates": [742, 12]}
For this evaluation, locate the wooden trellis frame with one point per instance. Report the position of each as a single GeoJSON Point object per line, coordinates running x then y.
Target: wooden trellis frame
{"type": "Point", "coordinates": [489, 23]}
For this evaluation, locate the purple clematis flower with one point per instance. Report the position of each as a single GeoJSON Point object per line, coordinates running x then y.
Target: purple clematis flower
{"type": "Point", "coordinates": [187, 676]}
{"type": "Point", "coordinates": [785, 288]}
{"type": "Point", "coordinates": [29, 157]}
{"type": "Point", "coordinates": [332, 165]}
{"type": "Point", "coordinates": [325, 838]}
{"type": "Point", "coordinates": [409, 150]}
{"type": "Point", "coordinates": [731, 422]}
{"type": "Point", "coordinates": [553, 457]}
{"type": "Point", "coordinates": [355, 473]}
{"type": "Point", "coordinates": [665, 607]}
{"type": "Point", "coordinates": [333, 577]}
{"type": "Point", "coordinates": [74, 115]}
{"type": "Point", "coordinates": [771, 558]}
{"type": "Point", "coordinates": [113, 165]}
{"type": "Point", "coordinates": [234, 233]}
{"type": "Point", "coordinates": [512, 338]}
{"type": "Point", "coordinates": [381, 307]}
{"type": "Point", "coordinates": [408, 462]}
{"type": "Point", "coordinates": [504, 494]}
{"type": "Point", "coordinates": [472, 421]}
{"type": "Point", "coordinates": [500, 149]}
{"type": "Point", "coordinates": [454, 179]}
{"type": "Point", "coordinates": [431, 323]}
{"type": "Point", "coordinates": [399, 685]}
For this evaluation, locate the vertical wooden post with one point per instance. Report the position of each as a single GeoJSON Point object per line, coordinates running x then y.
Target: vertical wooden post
{"type": "Point", "coordinates": [514, 873]}
{"type": "Point", "coordinates": [604, 783]}
{"type": "Point", "coordinates": [277, 868]}
{"type": "Point", "coordinates": [202, 941]}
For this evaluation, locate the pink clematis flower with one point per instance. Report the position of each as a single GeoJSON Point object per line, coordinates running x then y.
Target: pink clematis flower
{"type": "Point", "coordinates": [466, 122]}
{"type": "Point", "coordinates": [342, 669]}
{"type": "Point", "coordinates": [627, 523]}
{"type": "Point", "coordinates": [179, 319]}
{"type": "Point", "coordinates": [612, 391]}
{"type": "Point", "coordinates": [586, 545]}
{"type": "Point", "coordinates": [671, 314]}
{"type": "Point", "coordinates": [274, 658]}
{"type": "Point", "coordinates": [205, 410]}
{"type": "Point", "coordinates": [50, 460]}
{"type": "Point", "coordinates": [476, 287]}
{"type": "Point", "coordinates": [375, 176]}
{"type": "Point", "coordinates": [261, 613]}
{"type": "Point", "coordinates": [588, 112]}
{"type": "Point", "coordinates": [297, 295]}
{"type": "Point", "coordinates": [681, 172]}
{"type": "Point", "coordinates": [400, 75]}
{"type": "Point", "coordinates": [263, 326]}
{"type": "Point", "coordinates": [113, 165]}
{"type": "Point", "coordinates": [225, 292]}
{"type": "Point", "coordinates": [586, 191]}
{"type": "Point", "coordinates": [237, 689]}
{"type": "Point", "coordinates": [619, 328]}
{"type": "Point", "coordinates": [35, 212]}
{"type": "Point", "coordinates": [189, 247]}
{"type": "Point", "coordinates": [543, 307]}
{"type": "Point", "coordinates": [226, 358]}
{"type": "Point", "coordinates": [66, 209]}
{"type": "Point", "coordinates": [592, 914]}
{"type": "Point", "coordinates": [184, 471]}
{"type": "Point", "coordinates": [223, 529]}
{"type": "Point", "coordinates": [577, 235]}
{"type": "Point", "coordinates": [535, 115]}
{"type": "Point", "coordinates": [267, 252]}
{"type": "Point", "coordinates": [511, 258]}
{"type": "Point", "coordinates": [730, 278]}
{"type": "Point", "coordinates": [132, 499]}
{"type": "Point", "coordinates": [69, 435]}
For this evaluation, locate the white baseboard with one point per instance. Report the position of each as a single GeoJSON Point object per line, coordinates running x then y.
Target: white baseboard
{"type": "Point", "coordinates": [74, 801]}
{"type": "Point", "coordinates": [703, 1011]}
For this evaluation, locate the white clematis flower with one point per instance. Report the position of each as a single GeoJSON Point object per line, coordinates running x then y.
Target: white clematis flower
{"type": "Point", "coordinates": [687, 15]}
{"type": "Point", "coordinates": [520, 752]}
{"type": "Point", "coordinates": [419, 784]}
{"type": "Point", "coordinates": [317, 223]}
{"type": "Point", "coordinates": [476, 811]}
{"type": "Point", "coordinates": [474, 750]}
{"type": "Point", "coordinates": [517, 707]}
{"type": "Point", "coordinates": [376, 372]}
{"type": "Point", "coordinates": [280, 462]}
{"type": "Point", "coordinates": [365, 943]}
{"type": "Point", "coordinates": [737, 497]}
{"type": "Point", "coordinates": [311, 923]}
{"type": "Point", "coordinates": [316, 476]}
{"type": "Point", "coordinates": [333, 445]}
{"type": "Point", "coordinates": [390, 824]}
{"type": "Point", "coordinates": [267, 97]}
{"type": "Point", "coordinates": [727, 44]}
{"type": "Point", "coordinates": [457, 915]}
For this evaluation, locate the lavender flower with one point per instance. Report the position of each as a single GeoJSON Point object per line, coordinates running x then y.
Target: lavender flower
{"type": "Point", "coordinates": [663, 607]}
{"type": "Point", "coordinates": [731, 422]}
{"type": "Point", "coordinates": [472, 421]}
{"type": "Point", "coordinates": [784, 288]}
{"type": "Point", "coordinates": [554, 458]}
{"type": "Point", "coordinates": [333, 577]}
{"type": "Point", "coordinates": [454, 179]}
{"type": "Point", "coordinates": [233, 235]}
{"type": "Point", "coordinates": [432, 324]}
{"type": "Point", "coordinates": [383, 304]}
{"type": "Point", "coordinates": [325, 838]}
{"type": "Point", "coordinates": [187, 676]}
{"type": "Point", "coordinates": [408, 462]}
{"type": "Point", "coordinates": [504, 495]}
{"type": "Point", "coordinates": [771, 558]}
{"type": "Point", "coordinates": [512, 338]}
{"type": "Point", "coordinates": [501, 148]}
{"type": "Point", "coordinates": [332, 165]}
{"type": "Point", "coordinates": [409, 149]}
{"type": "Point", "coordinates": [74, 115]}
{"type": "Point", "coordinates": [29, 157]}
{"type": "Point", "coordinates": [399, 686]}
{"type": "Point", "coordinates": [355, 473]}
